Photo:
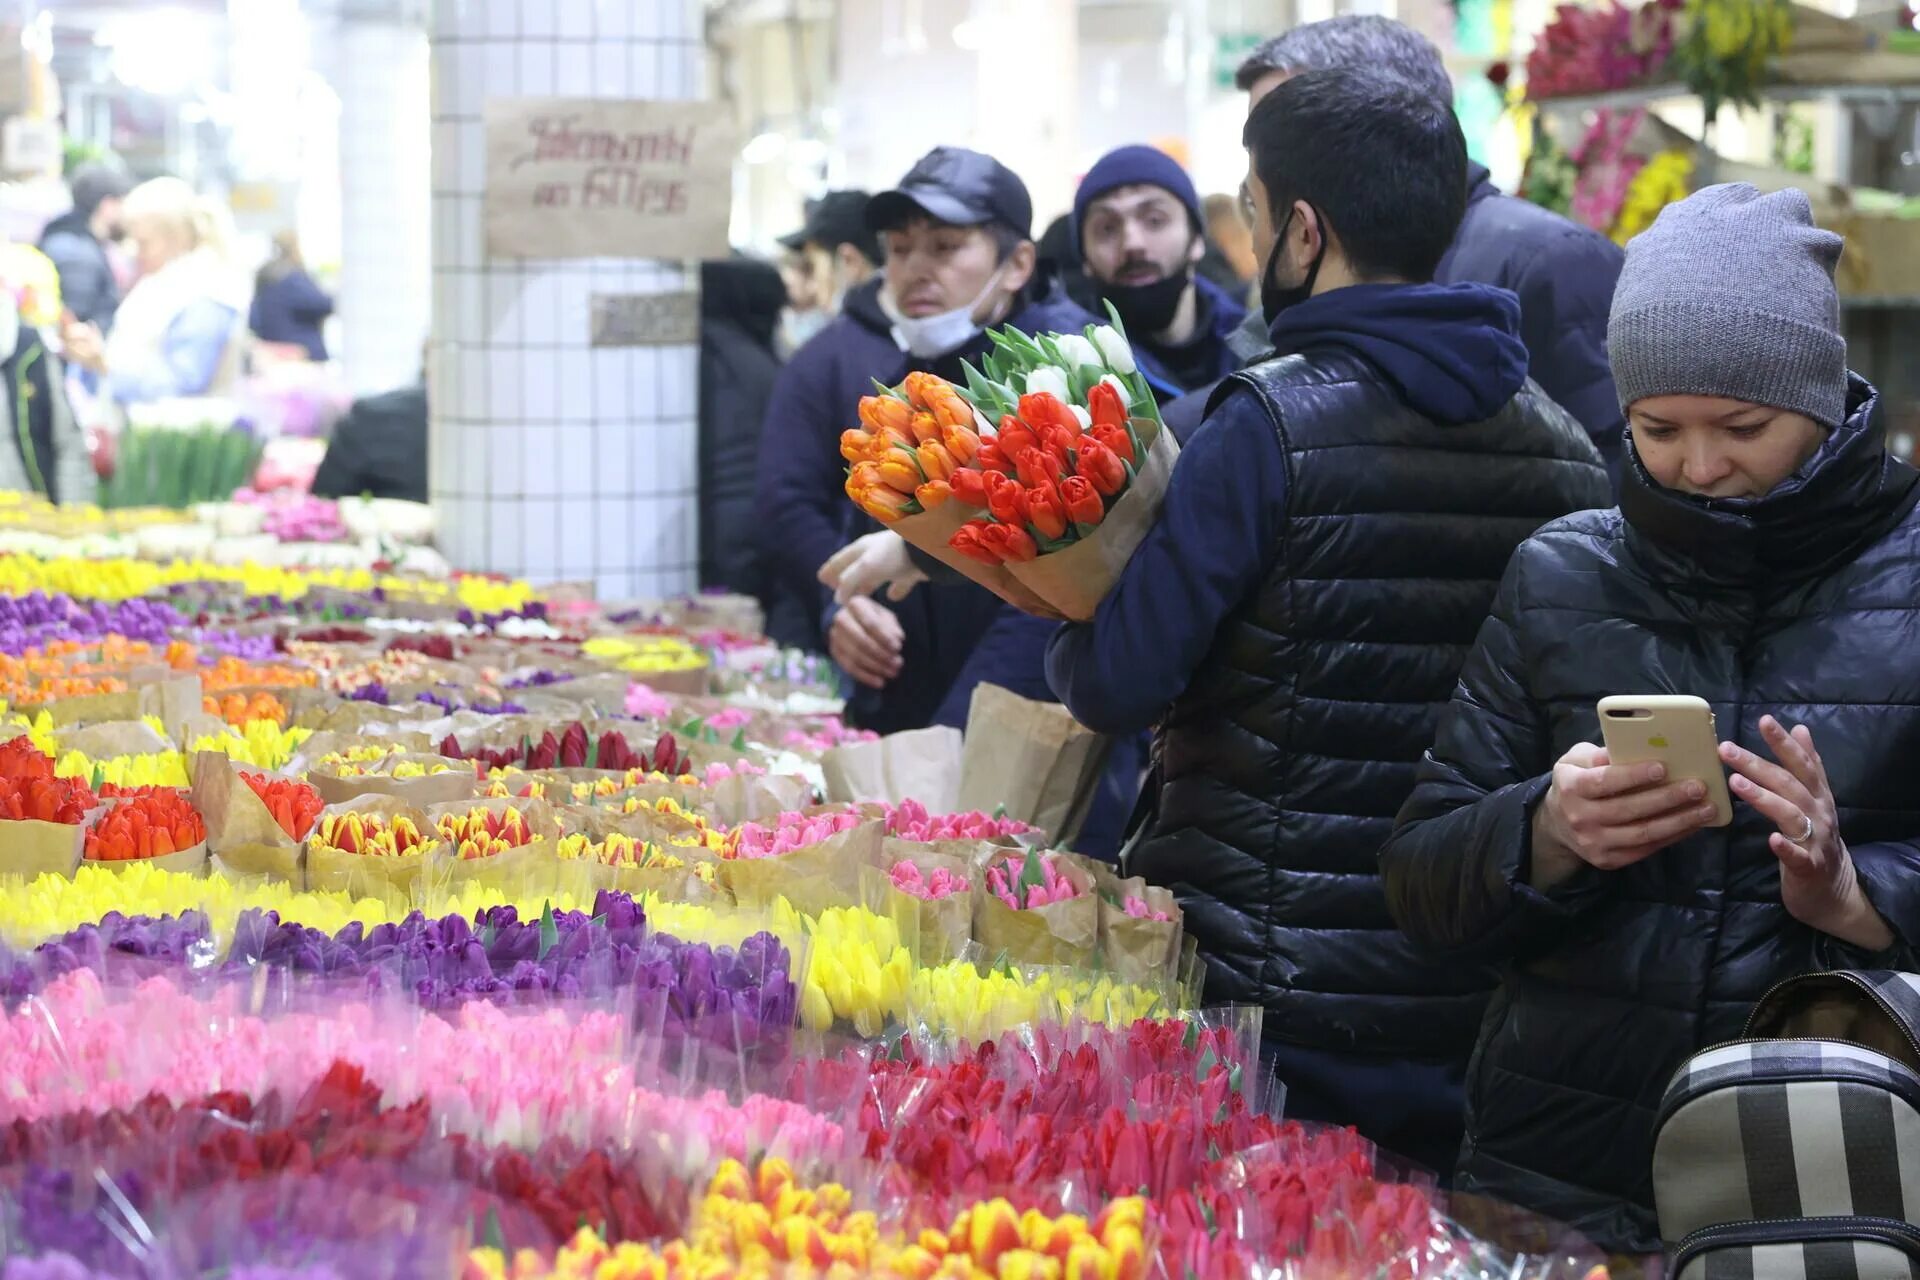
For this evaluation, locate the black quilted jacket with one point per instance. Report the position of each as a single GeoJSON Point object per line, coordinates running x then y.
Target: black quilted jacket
{"type": "Point", "coordinates": [1804, 604]}
{"type": "Point", "coordinates": [1283, 763]}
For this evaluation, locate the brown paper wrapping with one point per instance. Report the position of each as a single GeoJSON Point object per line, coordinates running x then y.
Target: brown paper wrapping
{"type": "Point", "coordinates": [186, 862]}
{"type": "Point", "coordinates": [1059, 933]}
{"type": "Point", "coordinates": [457, 783]}
{"type": "Point", "coordinates": [87, 708]}
{"type": "Point", "coordinates": [328, 742]}
{"type": "Point", "coordinates": [1031, 758]}
{"type": "Point", "coordinates": [930, 532]}
{"type": "Point", "coordinates": [922, 763]}
{"type": "Point", "coordinates": [259, 863]}
{"type": "Point", "coordinates": [1076, 579]}
{"type": "Point", "coordinates": [755, 798]}
{"type": "Point", "coordinates": [821, 875]}
{"type": "Point", "coordinates": [112, 738]}
{"type": "Point", "coordinates": [945, 926]}
{"type": "Point", "coordinates": [1144, 952]}
{"type": "Point", "coordinates": [675, 884]}
{"type": "Point", "coordinates": [393, 880]}
{"type": "Point", "coordinates": [242, 836]}
{"type": "Point", "coordinates": [508, 872]}
{"type": "Point", "coordinates": [29, 848]}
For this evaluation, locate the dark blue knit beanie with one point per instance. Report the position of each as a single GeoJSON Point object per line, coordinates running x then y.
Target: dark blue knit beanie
{"type": "Point", "coordinates": [1135, 166]}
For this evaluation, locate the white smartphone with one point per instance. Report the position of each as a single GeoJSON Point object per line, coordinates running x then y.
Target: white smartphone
{"type": "Point", "coordinates": [1676, 729]}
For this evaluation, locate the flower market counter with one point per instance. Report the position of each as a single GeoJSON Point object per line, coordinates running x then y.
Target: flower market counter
{"type": "Point", "coordinates": [387, 927]}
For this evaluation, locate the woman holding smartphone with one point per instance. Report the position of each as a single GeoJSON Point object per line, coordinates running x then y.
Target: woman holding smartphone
{"type": "Point", "coordinates": [1764, 557]}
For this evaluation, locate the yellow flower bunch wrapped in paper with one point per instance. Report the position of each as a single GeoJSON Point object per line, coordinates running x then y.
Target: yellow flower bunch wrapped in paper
{"type": "Point", "coordinates": [261, 743]}
{"type": "Point", "coordinates": [642, 653]}
{"type": "Point", "coordinates": [160, 769]}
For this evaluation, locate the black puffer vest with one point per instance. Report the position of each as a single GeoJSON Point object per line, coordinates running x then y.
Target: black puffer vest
{"type": "Point", "coordinates": [1283, 763]}
{"type": "Point", "coordinates": [1804, 605]}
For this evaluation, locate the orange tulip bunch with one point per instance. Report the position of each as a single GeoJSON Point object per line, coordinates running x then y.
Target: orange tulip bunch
{"type": "Point", "coordinates": [1047, 479]}
{"type": "Point", "coordinates": [911, 442]}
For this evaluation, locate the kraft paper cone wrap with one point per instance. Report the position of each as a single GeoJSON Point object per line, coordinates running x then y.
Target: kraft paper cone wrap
{"type": "Point", "coordinates": [1061, 933]}
{"type": "Point", "coordinates": [1074, 580]}
{"type": "Point", "coordinates": [456, 783]}
{"type": "Point", "coordinates": [112, 738]}
{"type": "Point", "coordinates": [393, 880]}
{"type": "Point", "coordinates": [921, 763]}
{"type": "Point", "coordinates": [813, 878]}
{"type": "Point", "coordinates": [187, 862]}
{"type": "Point", "coordinates": [930, 531]}
{"type": "Point", "coordinates": [1144, 952]}
{"type": "Point", "coordinates": [29, 848]}
{"type": "Point", "coordinates": [945, 924]}
{"type": "Point", "coordinates": [245, 841]}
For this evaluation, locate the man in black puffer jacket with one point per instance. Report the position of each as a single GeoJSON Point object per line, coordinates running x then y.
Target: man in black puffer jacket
{"type": "Point", "coordinates": [1328, 547]}
{"type": "Point", "coordinates": [1762, 558]}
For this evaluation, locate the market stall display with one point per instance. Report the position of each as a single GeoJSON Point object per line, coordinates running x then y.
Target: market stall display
{"type": "Point", "coordinates": [376, 925]}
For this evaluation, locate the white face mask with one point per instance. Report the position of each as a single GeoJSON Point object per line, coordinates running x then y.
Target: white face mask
{"type": "Point", "coordinates": [930, 337]}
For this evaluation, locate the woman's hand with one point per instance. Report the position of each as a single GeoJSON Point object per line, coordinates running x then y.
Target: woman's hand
{"type": "Point", "coordinates": [868, 563]}
{"type": "Point", "coordinates": [1817, 880]}
{"type": "Point", "coordinates": [82, 345]}
{"type": "Point", "coordinates": [1608, 816]}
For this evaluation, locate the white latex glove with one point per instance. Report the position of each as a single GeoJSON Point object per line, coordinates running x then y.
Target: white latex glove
{"type": "Point", "coordinates": [868, 563]}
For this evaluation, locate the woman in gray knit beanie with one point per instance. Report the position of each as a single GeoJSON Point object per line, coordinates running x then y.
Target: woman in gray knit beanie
{"type": "Point", "coordinates": [1725, 341]}
{"type": "Point", "coordinates": [1765, 557]}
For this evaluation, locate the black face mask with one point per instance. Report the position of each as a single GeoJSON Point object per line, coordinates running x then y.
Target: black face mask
{"type": "Point", "coordinates": [1149, 308]}
{"type": "Point", "coordinates": [1275, 299]}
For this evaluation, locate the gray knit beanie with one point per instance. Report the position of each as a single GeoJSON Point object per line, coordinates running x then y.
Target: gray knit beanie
{"type": "Point", "coordinates": [1730, 293]}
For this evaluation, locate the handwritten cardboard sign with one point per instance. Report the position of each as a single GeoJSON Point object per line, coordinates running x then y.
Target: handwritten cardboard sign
{"type": "Point", "coordinates": [606, 178]}
{"type": "Point", "coordinates": [645, 319]}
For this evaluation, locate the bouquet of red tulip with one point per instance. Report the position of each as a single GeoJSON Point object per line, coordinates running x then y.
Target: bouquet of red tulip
{"type": "Point", "coordinates": [1046, 508]}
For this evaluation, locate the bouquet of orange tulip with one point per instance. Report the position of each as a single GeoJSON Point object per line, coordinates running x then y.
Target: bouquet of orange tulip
{"type": "Point", "coordinates": [1046, 509]}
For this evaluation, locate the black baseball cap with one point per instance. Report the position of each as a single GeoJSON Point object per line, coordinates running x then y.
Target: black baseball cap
{"type": "Point", "coordinates": [957, 186]}
{"type": "Point", "coordinates": [837, 218]}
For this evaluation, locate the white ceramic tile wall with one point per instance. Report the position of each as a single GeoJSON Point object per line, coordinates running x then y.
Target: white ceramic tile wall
{"type": "Point", "coordinates": [551, 459]}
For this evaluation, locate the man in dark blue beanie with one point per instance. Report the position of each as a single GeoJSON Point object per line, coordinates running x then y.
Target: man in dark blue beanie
{"type": "Point", "coordinates": [1139, 231]}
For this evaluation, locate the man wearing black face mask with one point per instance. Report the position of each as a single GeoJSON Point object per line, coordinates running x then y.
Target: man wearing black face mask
{"type": "Point", "coordinates": [1138, 224]}
{"type": "Point", "coordinates": [1326, 552]}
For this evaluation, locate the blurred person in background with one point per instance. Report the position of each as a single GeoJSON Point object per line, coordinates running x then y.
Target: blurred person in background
{"type": "Point", "coordinates": [76, 241]}
{"type": "Point", "coordinates": [288, 306]}
{"type": "Point", "coordinates": [740, 305]}
{"type": "Point", "coordinates": [831, 254]}
{"type": "Point", "coordinates": [1232, 239]}
{"type": "Point", "coordinates": [48, 450]}
{"type": "Point", "coordinates": [1563, 272]}
{"type": "Point", "coordinates": [1141, 235]}
{"type": "Point", "coordinates": [179, 331]}
{"type": "Point", "coordinates": [379, 447]}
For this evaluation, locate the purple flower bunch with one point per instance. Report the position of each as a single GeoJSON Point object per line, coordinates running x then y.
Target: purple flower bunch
{"type": "Point", "coordinates": [450, 704]}
{"type": "Point", "coordinates": [254, 648]}
{"type": "Point", "coordinates": [538, 680]}
{"type": "Point", "coordinates": [117, 947]}
{"type": "Point", "coordinates": [38, 617]}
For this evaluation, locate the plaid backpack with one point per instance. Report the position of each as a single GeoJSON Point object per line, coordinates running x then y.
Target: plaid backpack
{"type": "Point", "coordinates": [1795, 1153]}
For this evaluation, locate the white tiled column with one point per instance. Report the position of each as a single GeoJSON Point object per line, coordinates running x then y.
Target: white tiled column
{"type": "Point", "coordinates": [385, 275]}
{"type": "Point", "coordinates": [552, 459]}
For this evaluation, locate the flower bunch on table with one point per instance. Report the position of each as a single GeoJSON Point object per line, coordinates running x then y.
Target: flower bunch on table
{"type": "Point", "coordinates": [30, 791]}
{"type": "Point", "coordinates": [262, 744]}
{"type": "Point", "coordinates": [38, 618]}
{"type": "Point", "coordinates": [909, 820]}
{"type": "Point", "coordinates": [151, 825]}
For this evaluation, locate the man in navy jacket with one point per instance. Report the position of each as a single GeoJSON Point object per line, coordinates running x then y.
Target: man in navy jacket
{"type": "Point", "coordinates": [959, 260]}
{"type": "Point", "coordinates": [1140, 233]}
{"type": "Point", "coordinates": [1562, 272]}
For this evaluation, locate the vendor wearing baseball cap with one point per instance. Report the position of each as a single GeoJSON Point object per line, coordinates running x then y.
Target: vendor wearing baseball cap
{"type": "Point", "coordinates": [959, 259]}
{"type": "Point", "coordinates": [832, 254]}
{"type": "Point", "coordinates": [1140, 230]}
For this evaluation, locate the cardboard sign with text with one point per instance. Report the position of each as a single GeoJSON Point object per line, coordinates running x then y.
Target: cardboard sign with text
{"type": "Point", "coordinates": [608, 178]}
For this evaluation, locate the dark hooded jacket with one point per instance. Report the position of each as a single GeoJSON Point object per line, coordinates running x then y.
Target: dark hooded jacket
{"type": "Point", "coordinates": [1801, 604]}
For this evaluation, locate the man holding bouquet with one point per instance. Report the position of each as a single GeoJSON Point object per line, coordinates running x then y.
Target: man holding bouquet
{"type": "Point", "coordinates": [1328, 547]}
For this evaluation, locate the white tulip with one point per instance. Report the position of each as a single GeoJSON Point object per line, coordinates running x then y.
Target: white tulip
{"type": "Point", "coordinates": [1051, 379]}
{"type": "Point", "coordinates": [1076, 350]}
{"type": "Point", "coordinates": [1126, 396]}
{"type": "Point", "coordinates": [1080, 412]}
{"type": "Point", "coordinates": [1119, 356]}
